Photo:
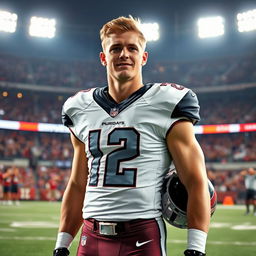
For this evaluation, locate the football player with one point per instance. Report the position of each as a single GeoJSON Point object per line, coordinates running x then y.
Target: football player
{"type": "Point", "coordinates": [250, 185]}
{"type": "Point", "coordinates": [125, 137]}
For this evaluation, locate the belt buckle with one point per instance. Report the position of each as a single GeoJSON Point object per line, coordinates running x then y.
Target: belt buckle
{"type": "Point", "coordinates": [107, 228]}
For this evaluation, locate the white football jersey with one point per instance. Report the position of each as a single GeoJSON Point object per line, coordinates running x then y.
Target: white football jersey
{"type": "Point", "coordinates": [126, 147]}
{"type": "Point", "coordinates": [250, 182]}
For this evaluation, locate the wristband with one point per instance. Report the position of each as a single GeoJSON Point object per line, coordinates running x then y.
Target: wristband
{"type": "Point", "coordinates": [196, 240]}
{"type": "Point", "coordinates": [64, 240]}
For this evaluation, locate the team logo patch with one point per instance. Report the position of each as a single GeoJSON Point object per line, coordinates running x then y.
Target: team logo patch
{"type": "Point", "coordinates": [176, 86]}
{"type": "Point", "coordinates": [83, 240]}
{"type": "Point", "coordinates": [114, 112]}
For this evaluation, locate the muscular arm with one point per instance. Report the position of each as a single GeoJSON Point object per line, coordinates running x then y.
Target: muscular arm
{"type": "Point", "coordinates": [189, 162]}
{"type": "Point", "coordinates": [243, 172]}
{"type": "Point", "coordinates": [71, 208]}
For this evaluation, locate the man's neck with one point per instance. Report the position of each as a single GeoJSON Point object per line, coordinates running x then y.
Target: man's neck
{"type": "Point", "coordinates": [121, 91]}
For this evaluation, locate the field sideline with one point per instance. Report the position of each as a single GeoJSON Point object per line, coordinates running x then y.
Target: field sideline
{"type": "Point", "coordinates": [30, 230]}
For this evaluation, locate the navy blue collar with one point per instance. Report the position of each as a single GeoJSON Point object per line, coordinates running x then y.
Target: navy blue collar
{"type": "Point", "coordinates": [102, 97]}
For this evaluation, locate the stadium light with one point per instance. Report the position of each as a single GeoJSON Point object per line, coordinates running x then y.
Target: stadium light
{"type": "Point", "coordinates": [8, 21]}
{"type": "Point", "coordinates": [5, 94]}
{"type": "Point", "coordinates": [246, 21]}
{"type": "Point", "coordinates": [42, 27]}
{"type": "Point", "coordinates": [150, 31]}
{"type": "Point", "coordinates": [210, 27]}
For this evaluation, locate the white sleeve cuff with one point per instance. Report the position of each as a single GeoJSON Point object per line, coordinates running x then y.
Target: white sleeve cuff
{"type": "Point", "coordinates": [63, 240]}
{"type": "Point", "coordinates": [196, 240]}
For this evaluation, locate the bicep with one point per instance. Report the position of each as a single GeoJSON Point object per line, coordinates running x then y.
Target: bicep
{"type": "Point", "coordinates": [186, 152]}
{"type": "Point", "coordinates": [79, 170]}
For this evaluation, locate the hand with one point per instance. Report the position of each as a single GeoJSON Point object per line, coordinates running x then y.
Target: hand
{"type": "Point", "coordinates": [61, 252]}
{"type": "Point", "coordinates": [193, 253]}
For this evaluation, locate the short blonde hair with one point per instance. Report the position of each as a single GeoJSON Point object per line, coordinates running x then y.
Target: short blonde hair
{"type": "Point", "coordinates": [120, 25]}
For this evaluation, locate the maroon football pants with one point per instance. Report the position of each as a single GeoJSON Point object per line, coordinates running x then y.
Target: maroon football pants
{"type": "Point", "coordinates": [133, 238]}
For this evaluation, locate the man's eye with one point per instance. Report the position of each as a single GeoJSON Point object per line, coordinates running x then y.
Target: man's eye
{"type": "Point", "coordinates": [133, 49]}
{"type": "Point", "coordinates": [116, 49]}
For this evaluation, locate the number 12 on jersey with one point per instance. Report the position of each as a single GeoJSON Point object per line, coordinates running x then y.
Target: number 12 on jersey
{"type": "Point", "coordinates": [128, 140]}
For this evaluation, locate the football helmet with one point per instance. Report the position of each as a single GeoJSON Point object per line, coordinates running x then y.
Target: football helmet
{"type": "Point", "coordinates": [175, 197]}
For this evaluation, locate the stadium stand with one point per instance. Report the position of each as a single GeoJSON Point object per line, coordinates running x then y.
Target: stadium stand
{"type": "Point", "coordinates": [82, 74]}
{"type": "Point", "coordinates": [57, 147]}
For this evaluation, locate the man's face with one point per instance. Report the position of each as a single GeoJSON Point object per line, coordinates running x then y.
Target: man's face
{"type": "Point", "coordinates": [251, 171]}
{"type": "Point", "coordinates": [123, 56]}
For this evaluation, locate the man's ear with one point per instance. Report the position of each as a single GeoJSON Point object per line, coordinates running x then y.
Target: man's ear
{"type": "Point", "coordinates": [144, 58]}
{"type": "Point", "coordinates": [103, 59]}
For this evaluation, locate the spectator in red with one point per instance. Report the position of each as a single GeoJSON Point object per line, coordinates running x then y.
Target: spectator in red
{"type": "Point", "coordinates": [14, 174]}
{"type": "Point", "coordinates": [7, 187]}
{"type": "Point", "coordinates": [52, 185]}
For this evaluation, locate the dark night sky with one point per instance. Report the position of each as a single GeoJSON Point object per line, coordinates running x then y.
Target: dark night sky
{"type": "Point", "coordinates": [79, 21]}
{"type": "Point", "coordinates": [82, 12]}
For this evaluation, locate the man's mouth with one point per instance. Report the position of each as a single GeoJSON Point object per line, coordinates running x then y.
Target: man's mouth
{"type": "Point", "coordinates": [123, 64]}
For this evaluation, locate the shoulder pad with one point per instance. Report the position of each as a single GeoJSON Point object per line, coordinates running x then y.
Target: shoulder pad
{"type": "Point", "coordinates": [188, 107]}
{"type": "Point", "coordinates": [74, 105]}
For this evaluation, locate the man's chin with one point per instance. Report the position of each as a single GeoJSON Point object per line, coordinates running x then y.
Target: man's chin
{"type": "Point", "coordinates": [124, 77]}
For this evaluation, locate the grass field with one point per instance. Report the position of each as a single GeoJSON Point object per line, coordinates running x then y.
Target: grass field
{"type": "Point", "coordinates": [30, 230]}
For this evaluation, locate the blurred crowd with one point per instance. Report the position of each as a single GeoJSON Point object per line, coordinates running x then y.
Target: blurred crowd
{"type": "Point", "coordinates": [34, 146]}
{"type": "Point", "coordinates": [50, 157]}
{"type": "Point", "coordinates": [26, 183]}
{"type": "Point", "coordinates": [216, 108]}
{"type": "Point", "coordinates": [48, 184]}
{"type": "Point", "coordinates": [16, 183]}
{"type": "Point", "coordinates": [77, 74]}
{"type": "Point", "coordinates": [225, 107]}
{"type": "Point", "coordinates": [205, 73]}
{"type": "Point", "coordinates": [228, 107]}
{"type": "Point", "coordinates": [31, 107]}
{"type": "Point", "coordinates": [226, 180]}
{"type": "Point", "coordinates": [225, 148]}
{"type": "Point", "coordinates": [84, 74]}
{"type": "Point", "coordinates": [228, 183]}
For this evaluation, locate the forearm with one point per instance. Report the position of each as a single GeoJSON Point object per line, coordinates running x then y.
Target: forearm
{"type": "Point", "coordinates": [71, 209]}
{"type": "Point", "coordinates": [198, 209]}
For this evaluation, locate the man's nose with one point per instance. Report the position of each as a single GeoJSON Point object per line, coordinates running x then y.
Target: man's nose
{"type": "Point", "coordinates": [124, 53]}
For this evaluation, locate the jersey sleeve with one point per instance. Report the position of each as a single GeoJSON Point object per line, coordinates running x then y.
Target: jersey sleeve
{"type": "Point", "coordinates": [74, 113]}
{"type": "Point", "coordinates": [187, 108]}
{"type": "Point", "coordinates": [171, 103]}
{"type": "Point", "coordinates": [66, 120]}
{"type": "Point", "coordinates": [68, 117]}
